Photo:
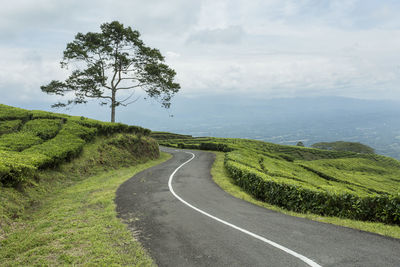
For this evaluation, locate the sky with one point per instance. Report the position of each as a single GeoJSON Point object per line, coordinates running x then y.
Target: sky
{"type": "Point", "coordinates": [259, 48]}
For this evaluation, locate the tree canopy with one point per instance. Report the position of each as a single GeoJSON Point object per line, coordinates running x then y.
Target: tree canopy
{"type": "Point", "coordinates": [115, 59]}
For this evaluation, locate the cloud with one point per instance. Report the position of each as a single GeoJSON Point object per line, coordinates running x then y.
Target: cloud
{"type": "Point", "coordinates": [267, 48]}
{"type": "Point", "coordinates": [229, 35]}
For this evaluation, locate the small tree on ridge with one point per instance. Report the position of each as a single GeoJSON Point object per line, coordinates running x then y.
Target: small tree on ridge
{"type": "Point", "coordinates": [110, 61]}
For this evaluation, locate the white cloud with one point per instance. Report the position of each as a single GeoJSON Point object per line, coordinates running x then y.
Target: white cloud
{"type": "Point", "coordinates": [269, 48]}
{"type": "Point", "coordinates": [228, 35]}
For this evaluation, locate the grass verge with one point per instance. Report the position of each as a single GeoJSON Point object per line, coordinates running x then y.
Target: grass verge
{"type": "Point", "coordinates": [222, 179]}
{"type": "Point", "coordinates": [76, 224]}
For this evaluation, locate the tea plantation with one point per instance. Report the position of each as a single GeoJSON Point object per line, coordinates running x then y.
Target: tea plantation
{"type": "Point", "coordinates": [331, 183]}
{"type": "Point", "coordinates": [32, 140]}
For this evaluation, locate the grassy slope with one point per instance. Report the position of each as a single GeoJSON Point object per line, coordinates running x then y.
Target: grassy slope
{"type": "Point", "coordinates": [220, 176]}
{"type": "Point", "coordinates": [70, 215]}
{"type": "Point", "coordinates": [321, 170]}
{"type": "Point", "coordinates": [360, 174]}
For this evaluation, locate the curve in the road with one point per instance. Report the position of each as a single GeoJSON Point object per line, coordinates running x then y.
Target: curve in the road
{"type": "Point", "coordinates": [263, 239]}
{"type": "Point", "coordinates": [176, 234]}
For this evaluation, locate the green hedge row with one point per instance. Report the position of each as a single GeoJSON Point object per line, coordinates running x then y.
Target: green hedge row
{"type": "Point", "coordinates": [108, 128]}
{"type": "Point", "coordinates": [40, 114]}
{"type": "Point", "coordinates": [215, 147]}
{"type": "Point", "coordinates": [12, 113]}
{"type": "Point", "coordinates": [67, 144]}
{"type": "Point", "coordinates": [379, 208]}
{"type": "Point", "coordinates": [44, 128]}
{"type": "Point", "coordinates": [12, 169]}
{"type": "Point", "coordinates": [167, 135]}
{"type": "Point", "coordinates": [202, 146]}
{"type": "Point", "coordinates": [74, 128]}
{"type": "Point", "coordinates": [16, 167]}
{"type": "Point", "coordinates": [19, 141]}
{"type": "Point", "coordinates": [9, 126]}
{"type": "Point", "coordinates": [46, 139]}
{"type": "Point", "coordinates": [104, 128]}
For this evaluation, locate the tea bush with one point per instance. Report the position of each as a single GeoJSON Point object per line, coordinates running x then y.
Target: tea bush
{"type": "Point", "coordinates": [12, 113]}
{"type": "Point", "coordinates": [9, 126]}
{"type": "Point", "coordinates": [44, 128]}
{"type": "Point", "coordinates": [46, 139]}
{"type": "Point", "coordinates": [331, 183]}
{"type": "Point", "coordinates": [19, 141]}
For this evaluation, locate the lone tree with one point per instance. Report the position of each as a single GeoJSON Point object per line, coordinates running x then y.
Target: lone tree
{"type": "Point", "coordinates": [113, 60]}
{"type": "Point", "coordinates": [300, 143]}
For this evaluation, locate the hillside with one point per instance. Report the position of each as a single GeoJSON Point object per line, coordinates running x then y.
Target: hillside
{"type": "Point", "coordinates": [331, 183]}
{"type": "Point", "coordinates": [58, 177]}
{"type": "Point", "coordinates": [32, 140]}
{"type": "Point", "coordinates": [344, 146]}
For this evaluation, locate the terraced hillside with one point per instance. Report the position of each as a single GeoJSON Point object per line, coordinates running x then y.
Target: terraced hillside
{"type": "Point", "coordinates": [32, 140]}
{"type": "Point", "coordinates": [332, 183]}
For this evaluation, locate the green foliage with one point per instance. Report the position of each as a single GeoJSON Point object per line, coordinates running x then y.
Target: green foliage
{"type": "Point", "coordinates": [345, 146]}
{"type": "Point", "coordinates": [78, 130]}
{"type": "Point", "coordinates": [167, 135]}
{"type": "Point", "coordinates": [9, 126]}
{"type": "Point", "coordinates": [19, 141]}
{"type": "Point", "coordinates": [40, 114]}
{"type": "Point", "coordinates": [300, 144]}
{"type": "Point", "coordinates": [13, 169]}
{"type": "Point", "coordinates": [108, 128]}
{"type": "Point", "coordinates": [12, 113]}
{"type": "Point", "coordinates": [331, 183]}
{"type": "Point", "coordinates": [47, 139]}
{"type": "Point", "coordinates": [294, 197]}
{"type": "Point", "coordinates": [112, 60]}
{"type": "Point", "coordinates": [222, 179]}
{"type": "Point", "coordinates": [75, 200]}
{"type": "Point", "coordinates": [63, 147]}
{"type": "Point", "coordinates": [44, 128]}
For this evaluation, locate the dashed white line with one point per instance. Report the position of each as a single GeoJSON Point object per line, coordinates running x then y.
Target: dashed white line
{"type": "Point", "coordinates": [272, 243]}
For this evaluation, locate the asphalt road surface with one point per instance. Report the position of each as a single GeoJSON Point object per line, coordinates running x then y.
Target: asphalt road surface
{"type": "Point", "coordinates": [184, 219]}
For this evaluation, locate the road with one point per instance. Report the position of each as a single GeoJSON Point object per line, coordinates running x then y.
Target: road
{"type": "Point", "coordinates": [184, 219]}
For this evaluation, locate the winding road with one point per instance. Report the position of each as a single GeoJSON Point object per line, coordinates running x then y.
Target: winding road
{"type": "Point", "coordinates": [184, 219]}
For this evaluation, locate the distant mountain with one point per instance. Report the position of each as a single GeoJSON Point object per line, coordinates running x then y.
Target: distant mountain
{"type": "Point", "coordinates": [283, 121]}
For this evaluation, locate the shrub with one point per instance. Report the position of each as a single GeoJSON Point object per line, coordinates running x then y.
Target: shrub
{"type": "Point", "coordinates": [137, 146]}
{"type": "Point", "coordinates": [108, 128]}
{"type": "Point", "coordinates": [166, 135]}
{"type": "Point", "coordinates": [67, 144]}
{"type": "Point", "coordinates": [44, 128]}
{"type": "Point", "coordinates": [215, 147]}
{"type": "Point", "coordinates": [300, 143]}
{"type": "Point", "coordinates": [345, 146]}
{"type": "Point", "coordinates": [19, 141]}
{"type": "Point", "coordinates": [12, 113]}
{"type": "Point", "coordinates": [380, 208]}
{"type": "Point", "coordinates": [9, 126]}
{"type": "Point", "coordinates": [60, 148]}
{"type": "Point", "coordinates": [47, 139]}
{"type": "Point", "coordinates": [74, 128]}
{"type": "Point", "coordinates": [15, 168]}
{"type": "Point", "coordinates": [40, 114]}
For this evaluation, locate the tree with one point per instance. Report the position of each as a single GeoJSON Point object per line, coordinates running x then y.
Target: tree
{"type": "Point", "coordinates": [113, 60]}
{"type": "Point", "coordinates": [300, 144]}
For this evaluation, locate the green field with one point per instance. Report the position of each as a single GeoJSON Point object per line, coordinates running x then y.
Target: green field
{"type": "Point", "coordinates": [58, 177]}
{"type": "Point", "coordinates": [34, 140]}
{"type": "Point", "coordinates": [330, 183]}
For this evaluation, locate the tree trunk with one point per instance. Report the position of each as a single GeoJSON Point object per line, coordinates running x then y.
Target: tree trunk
{"type": "Point", "coordinates": [113, 105]}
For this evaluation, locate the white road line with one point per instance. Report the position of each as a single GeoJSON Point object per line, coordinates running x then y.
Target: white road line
{"type": "Point", "coordinates": [272, 243]}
